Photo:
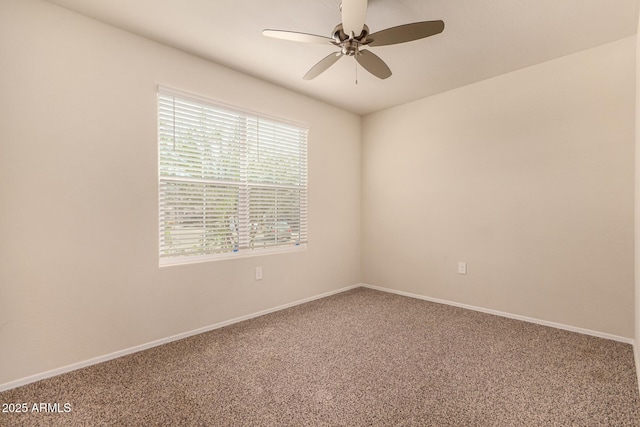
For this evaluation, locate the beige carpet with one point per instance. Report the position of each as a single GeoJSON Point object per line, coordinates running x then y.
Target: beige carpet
{"type": "Point", "coordinates": [360, 358]}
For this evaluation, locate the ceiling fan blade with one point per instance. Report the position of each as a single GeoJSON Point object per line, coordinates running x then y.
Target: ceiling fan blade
{"type": "Point", "coordinates": [323, 65]}
{"type": "Point", "coordinates": [354, 13]}
{"type": "Point", "coordinates": [373, 64]}
{"type": "Point", "coordinates": [297, 37]}
{"type": "Point", "coordinates": [406, 33]}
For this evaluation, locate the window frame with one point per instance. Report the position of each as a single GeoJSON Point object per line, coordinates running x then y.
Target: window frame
{"type": "Point", "coordinates": [246, 252]}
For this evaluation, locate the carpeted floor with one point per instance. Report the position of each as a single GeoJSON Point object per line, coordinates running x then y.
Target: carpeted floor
{"type": "Point", "coordinates": [360, 358]}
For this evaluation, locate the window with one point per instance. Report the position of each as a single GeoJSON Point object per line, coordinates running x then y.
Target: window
{"type": "Point", "coordinates": [230, 183]}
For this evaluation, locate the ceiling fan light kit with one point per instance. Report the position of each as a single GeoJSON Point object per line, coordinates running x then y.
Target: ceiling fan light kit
{"type": "Point", "coordinates": [352, 35]}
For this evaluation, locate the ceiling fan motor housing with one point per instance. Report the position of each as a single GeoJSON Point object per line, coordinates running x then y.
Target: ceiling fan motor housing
{"type": "Point", "coordinates": [350, 45]}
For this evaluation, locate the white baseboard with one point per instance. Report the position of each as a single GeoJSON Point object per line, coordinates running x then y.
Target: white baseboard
{"type": "Point", "coordinates": [141, 347]}
{"type": "Point", "coordinates": [508, 315]}
{"type": "Point", "coordinates": [135, 349]}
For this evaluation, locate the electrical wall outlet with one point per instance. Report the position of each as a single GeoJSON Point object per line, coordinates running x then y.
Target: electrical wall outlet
{"type": "Point", "coordinates": [258, 273]}
{"type": "Point", "coordinates": [462, 267]}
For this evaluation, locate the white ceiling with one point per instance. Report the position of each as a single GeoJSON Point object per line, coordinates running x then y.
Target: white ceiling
{"type": "Point", "coordinates": [481, 39]}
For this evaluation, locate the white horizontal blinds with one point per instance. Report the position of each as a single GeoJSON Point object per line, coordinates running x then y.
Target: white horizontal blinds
{"type": "Point", "coordinates": [229, 181]}
{"type": "Point", "coordinates": [197, 218]}
{"type": "Point", "coordinates": [200, 162]}
{"type": "Point", "coordinates": [197, 141]}
{"type": "Point", "coordinates": [277, 180]}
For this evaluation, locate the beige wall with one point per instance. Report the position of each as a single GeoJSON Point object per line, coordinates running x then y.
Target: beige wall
{"type": "Point", "coordinates": [79, 275]}
{"type": "Point", "coordinates": [528, 177]}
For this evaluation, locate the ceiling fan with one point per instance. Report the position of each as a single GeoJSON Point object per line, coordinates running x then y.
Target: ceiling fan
{"type": "Point", "coordinates": [352, 35]}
